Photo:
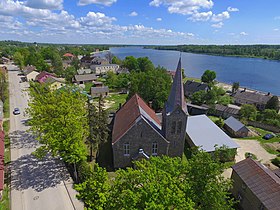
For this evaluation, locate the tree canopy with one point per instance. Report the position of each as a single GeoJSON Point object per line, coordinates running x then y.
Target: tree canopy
{"type": "Point", "coordinates": [208, 76]}
{"type": "Point", "coordinates": [273, 103]}
{"type": "Point", "coordinates": [248, 112]}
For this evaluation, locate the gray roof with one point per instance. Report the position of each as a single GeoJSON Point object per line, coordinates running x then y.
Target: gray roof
{"type": "Point", "coordinates": [84, 71]}
{"type": "Point", "coordinates": [176, 97]}
{"type": "Point", "coordinates": [28, 69]}
{"type": "Point", "coordinates": [227, 109]}
{"type": "Point", "coordinates": [103, 89]}
{"type": "Point", "coordinates": [253, 97]}
{"type": "Point", "coordinates": [206, 134]}
{"type": "Point", "coordinates": [85, 77]}
{"type": "Point", "coordinates": [191, 86]}
{"type": "Point", "coordinates": [262, 182]}
{"type": "Point", "coordinates": [234, 124]}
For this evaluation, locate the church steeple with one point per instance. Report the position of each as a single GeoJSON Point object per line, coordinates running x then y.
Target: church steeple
{"type": "Point", "coordinates": [176, 97]}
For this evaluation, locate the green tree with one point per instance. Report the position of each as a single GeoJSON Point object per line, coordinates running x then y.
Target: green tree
{"type": "Point", "coordinates": [198, 97]}
{"type": "Point", "coordinates": [235, 87]}
{"type": "Point", "coordinates": [248, 112]}
{"type": "Point", "coordinates": [208, 76]}
{"type": "Point", "coordinates": [69, 73]}
{"type": "Point", "coordinates": [144, 64]}
{"type": "Point", "coordinates": [130, 63]}
{"type": "Point", "coordinates": [153, 85]}
{"type": "Point", "coordinates": [59, 120]}
{"type": "Point", "coordinates": [57, 64]}
{"type": "Point", "coordinates": [116, 60]}
{"type": "Point", "coordinates": [19, 59]}
{"type": "Point", "coordinates": [273, 103]}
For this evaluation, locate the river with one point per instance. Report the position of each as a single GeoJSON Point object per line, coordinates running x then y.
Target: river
{"type": "Point", "coordinates": [254, 73]}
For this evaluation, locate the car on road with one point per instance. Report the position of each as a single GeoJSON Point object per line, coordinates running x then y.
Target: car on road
{"type": "Point", "coordinates": [268, 136]}
{"type": "Point", "coordinates": [16, 111]}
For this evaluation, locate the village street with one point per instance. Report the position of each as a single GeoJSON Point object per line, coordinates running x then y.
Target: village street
{"type": "Point", "coordinates": [35, 184]}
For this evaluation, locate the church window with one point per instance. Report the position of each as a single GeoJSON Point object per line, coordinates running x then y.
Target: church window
{"type": "Point", "coordinates": [173, 127]}
{"type": "Point", "coordinates": [154, 148]}
{"type": "Point", "coordinates": [179, 127]}
{"type": "Point", "coordinates": [126, 149]}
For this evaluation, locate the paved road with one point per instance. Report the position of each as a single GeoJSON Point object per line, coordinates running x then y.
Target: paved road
{"type": "Point", "coordinates": [35, 185]}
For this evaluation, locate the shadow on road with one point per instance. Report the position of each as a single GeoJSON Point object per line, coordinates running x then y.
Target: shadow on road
{"type": "Point", "coordinates": [22, 139]}
{"type": "Point", "coordinates": [29, 172]}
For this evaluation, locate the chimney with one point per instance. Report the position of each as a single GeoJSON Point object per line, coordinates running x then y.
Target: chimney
{"type": "Point", "coordinates": [141, 151]}
{"type": "Point", "coordinates": [268, 93]}
{"type": "Point", "coordinates": [150, 104]}
{"type": "Point", "coordinates": [244, 89]}
{"type": "Point", "coordinates": [120, 105]}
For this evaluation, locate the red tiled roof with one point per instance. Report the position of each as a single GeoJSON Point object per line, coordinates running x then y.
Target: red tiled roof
{"type": "Point", "coordinates": [261, 181]}
{"type": "Point", "coordinates": [127, 115]}
{"type": "Point", "coordinates": [68, 55]}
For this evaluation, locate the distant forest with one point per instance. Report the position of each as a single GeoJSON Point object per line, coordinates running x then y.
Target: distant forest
{"type": "Point", "coordinates": [255, 51]}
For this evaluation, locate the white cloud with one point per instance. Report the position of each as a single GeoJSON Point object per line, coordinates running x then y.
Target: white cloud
{"type": "Point", "coordinates": [184, 7]}
{"type": "Point", "coordinates": [232, 9]}
{"type": "Point", "coordinates": [159, 19]}
{"type": "Point", "coordinates": [220, 17]}
{"type": "Point", "coordinates": [276, 29]}
{"type": "Point", "coordinates": [277, 18]}
{"type": "Point", "coordinates": [45, 4]}
{"type": "Point", "coordinates": [133, 14]}
{"type": "Point", "coordinates": [102, 2]}
{"type": "Point", "coordinates": [202, 16]}
{"type": "Point", "coordinates": [96, 19]}
{"type": "Point", "coordinates": [243, 33]}
{"type": "Point", "coordinates": [217, 25]}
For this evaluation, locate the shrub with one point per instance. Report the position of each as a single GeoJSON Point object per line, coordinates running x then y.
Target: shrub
{"type": "Point", "coordinates": [276, 161]}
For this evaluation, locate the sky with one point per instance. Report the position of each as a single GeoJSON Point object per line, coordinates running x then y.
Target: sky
{"type": "Point", "coordinates": [143, 22]}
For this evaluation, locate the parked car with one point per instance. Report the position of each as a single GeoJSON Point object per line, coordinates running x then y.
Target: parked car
{"type": "Point", "coordinates": [16, 111]}
{"type": "Point", "coordinates": [268, 136]}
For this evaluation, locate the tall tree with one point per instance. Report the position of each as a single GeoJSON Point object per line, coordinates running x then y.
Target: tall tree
{"type": "Point", "coordinates": [59, 120]}
{"type": "Point", "coordinates": [208, 76]}
{"type": "Point", "coordinates": [248, 112]}
{"type": "Point", "coordinates": [130, 63]}
{"type": "Point", "coordinates": [235, 87]}
{"type": "Point", "coordinates": [273, 103]}
{"type": "Point", "coordinates": [19, 59]}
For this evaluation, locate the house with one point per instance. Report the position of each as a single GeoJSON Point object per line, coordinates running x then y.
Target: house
{"type": "Point", "coordinates": [204, 133]}
{"type": "Point", "coordinates": [255, 98]}
{"type": "Point", "coordinates": [84, 78]}
{"type": "Point", "coordinates": [102, 69]}
{"type": "Point", "coordinates": [138, 132]}
{"type": "Point", "coordinates": [196, 110]}
{"type": "Point", "coordinates": [30, 73]}
{"type": "Point", "coordinates": [99, 91]}
{"type": "Point", "coordinates": [84, 71]}
{"type": "Point", "coordinates": [99, 61]}
{"type": "Point", "coordinates": [4, 60]}
{"type": "Point", "coordinates": [226, 111]}
{"type": "Point", "coordinates": [68, 55]}
{"type": "Point", "coordinates": [190, 87]}
{"type": "Point", "coordinates": [41, 77]}
{"type": "Point", "coordinates": [55, 83]}
{"type": "Point", "coordinates": [236, 128]}
{"type": "Point", "coordinates": [255, 186]}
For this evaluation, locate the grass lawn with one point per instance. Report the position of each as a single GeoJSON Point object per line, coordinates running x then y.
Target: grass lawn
{"type": "Point", "coordinates": [213, 118]}
{"type": "Point", "coordinates": [114, 99]}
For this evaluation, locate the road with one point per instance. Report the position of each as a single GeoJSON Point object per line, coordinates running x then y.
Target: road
{"type": "Point", "coordinates": [35, 184]}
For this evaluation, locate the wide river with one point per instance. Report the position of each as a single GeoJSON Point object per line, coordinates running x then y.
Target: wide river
{"type": "Point", "coordinates": [255, 73]}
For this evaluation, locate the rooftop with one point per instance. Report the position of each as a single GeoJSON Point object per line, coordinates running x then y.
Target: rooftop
{"type": "Point", "coordinates": [206, 134]}
{"type": "Point", "coordinates": [234, 124]}
{"type": "Point", "coordinates": [254, 97]}
{"type": "Point", "coordinates": [85, 77]}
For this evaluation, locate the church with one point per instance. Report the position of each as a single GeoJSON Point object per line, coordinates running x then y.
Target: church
{"type": "Point", "coordinates": [139, 133]}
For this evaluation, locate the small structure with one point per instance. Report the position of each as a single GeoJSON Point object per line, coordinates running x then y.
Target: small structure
{"type": "Point", "coordinates": [4, 60]}
{"type": "Point", "coordinates": [30, 73]}
{"type": "Point", "coordinates": [55, 83]}
{"type": "Point", "coordinates": [204, 133]}
{"type": "Point", "coordinates": [68, 55]}
{"type": "Point", "coordinates": [99, 91]}
{"type": "Point", "coordinates": [196, 110]}
{"type": "Point", "coordinates": [255, 186]}
{"type": "Point", "coordinates": [226, 111]}
{"type": "Point", "coordinates": [102, 69]}
{"type": "Point", "coordinates": [84, 78]}
{"type": "Point", "coordinates": [41, 78]}
{"type": "Point", "coordinates": [190, 87]}
{"type": "Point", "coordinates": [236, 128]}
{"type": "Point", "coordinates": [254, 98]}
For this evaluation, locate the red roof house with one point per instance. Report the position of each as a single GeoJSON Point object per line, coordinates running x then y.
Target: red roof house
{"type": "Point", "coordinates": [42, 77]}
{"type": "Point", "coordinates": [69, 55]}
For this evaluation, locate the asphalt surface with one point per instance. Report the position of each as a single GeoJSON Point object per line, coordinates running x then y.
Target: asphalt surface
{"type": "Point", "coordinates": [35, 184]}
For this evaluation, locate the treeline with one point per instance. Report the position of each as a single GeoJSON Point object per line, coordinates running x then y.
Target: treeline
{"type": "Point", "coordinates": [259, 51]}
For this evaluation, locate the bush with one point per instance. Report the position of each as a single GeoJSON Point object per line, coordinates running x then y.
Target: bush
{"type": "Point", "coordinates": [276, 161]}
{"type": "Point", "coordinates": [251, 155]}
{"type": "Point", "coordinates": [85, 171]}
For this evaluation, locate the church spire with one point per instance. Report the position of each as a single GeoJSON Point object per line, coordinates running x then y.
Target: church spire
{"type": "Point", "coordinates": [176, 96]}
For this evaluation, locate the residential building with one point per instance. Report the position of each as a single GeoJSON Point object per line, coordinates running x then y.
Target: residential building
{"type": "Point", "coordinates": [255, 186]}
{"type": "Point", "coordinates": [41, 77]}
{"type": "Point", "coordinates": [226, 111]}
{"type": "Point", "coordinates": [84, 78]}
{"type": "Point", "coordinates": [102, 69]}
{"type": "Point", "coordinates": [69, 55]}
{"type": "Point", "coordinates": [30, 73]}
{"type": "Point", "coordinates": [4, 60]}
{"type": "Point", "coordinates": [191, 86]}
{"type": "Point", "coordinates": [55, 83]}
{"type": "Point", "coordinates": [249, 97]}
{"type": "Point", "coordinates": [236, 128]}
{"type": "Point", "coordinates": [196, 110]}
{"type": "Point", "coordinates": [84, 71]}
{"type": "Point", "coordinates": [138, 132]}
{"type": "Point", "coordinates": [99, 91]}
{"type": "Point", "coordinates": [204, 133]}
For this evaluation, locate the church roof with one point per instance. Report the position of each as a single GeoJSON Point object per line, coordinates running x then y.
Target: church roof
{"type": "Point", "coordinates": [176, 96]}
{"type": "Point", "coordinates": [129, 113]}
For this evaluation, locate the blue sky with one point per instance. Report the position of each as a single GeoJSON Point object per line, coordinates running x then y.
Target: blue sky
{"type": "Point", "coordinates": [141, 21]}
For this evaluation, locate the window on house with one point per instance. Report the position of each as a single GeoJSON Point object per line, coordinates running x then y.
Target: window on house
{"type": "Point", "coordinates": [179, 127]}
{"type": "Point", "coordinates": [154, 148]}
{"type": "Point", "coordinates": [173, 127]}
{"type": "Point", "coordinates": [126, 149]}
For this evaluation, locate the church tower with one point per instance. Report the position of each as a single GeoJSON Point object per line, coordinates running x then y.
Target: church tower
{"type": "Point", "coordinates": [175, 116]}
